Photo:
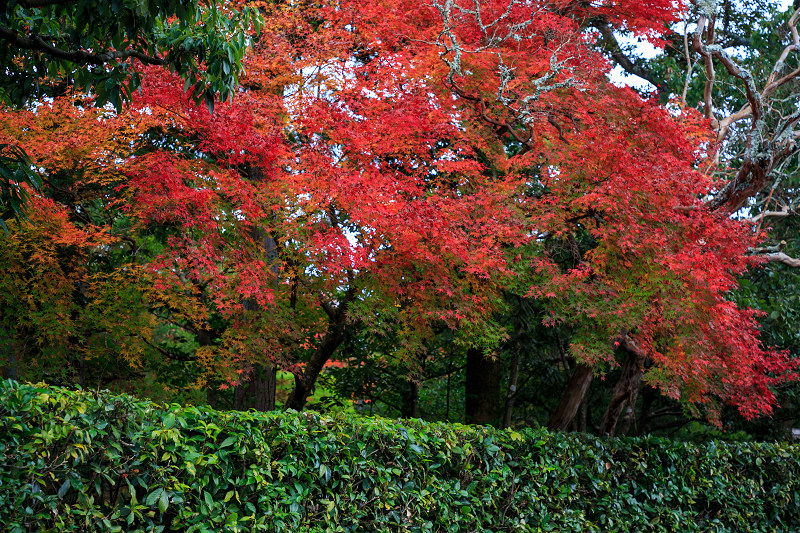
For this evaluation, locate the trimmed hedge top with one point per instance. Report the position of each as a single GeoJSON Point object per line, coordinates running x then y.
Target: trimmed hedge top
{"type": "Point", "coordinates": [78, 461]}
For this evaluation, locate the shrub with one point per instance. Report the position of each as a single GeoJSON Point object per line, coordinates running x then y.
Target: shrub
{"type": "Point", "coordinates": [80, 461]}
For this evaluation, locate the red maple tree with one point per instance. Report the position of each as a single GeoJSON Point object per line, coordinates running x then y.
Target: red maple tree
{"type": "Point", "coordinates": [400, 164]}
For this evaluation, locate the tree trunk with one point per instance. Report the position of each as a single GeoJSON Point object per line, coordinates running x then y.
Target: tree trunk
{"type": "Point", "coordinates": [571, 399]}
{"type": "Point", "coordinates": [258, 392]}
{"type": "Point", "coordinates": [208, 337]}
{"type": "Point", "coordinates": [648, 397]}
{"type": "Point", "coordinates": [304, 383]}
{"type": "Point", "coordinates": [625, 392]}
{"type": "Point", "coordinates": [628, 419]}
{"type": "Point", "coordinates": [447, 395]}
{"type": "Point", "coordinates": [8, 355]}
{"type": "Point", "coordinates": [511, 396]}
{"type": "Point", "coordinates": [583, 415]}
{"type": "Point", "coordinates": [410, 407]}
{"type": "Point", "coordinates": [482, 388]}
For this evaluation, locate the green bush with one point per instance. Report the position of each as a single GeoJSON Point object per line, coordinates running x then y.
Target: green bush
{"type": "Point", "coordinates": [79, 461]}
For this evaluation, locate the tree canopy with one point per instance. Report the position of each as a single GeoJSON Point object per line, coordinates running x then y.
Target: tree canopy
{"type": "Point", "coordinates": [48, 45]}
{"type": "Point", "coordinates": [402, 189]}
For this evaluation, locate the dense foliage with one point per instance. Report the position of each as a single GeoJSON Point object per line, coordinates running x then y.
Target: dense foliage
{"type": "Point", "coordinates": [97, 462]}
{"type": "Point", "coordinates": [404, 202]}
{"type": "Point", "coordinates": [48, 45]}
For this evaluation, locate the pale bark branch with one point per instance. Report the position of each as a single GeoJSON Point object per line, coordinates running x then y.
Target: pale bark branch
{"type": "Point", "coordinates": [783, 213]}
{"type": "Point", "coordinates": [781, 257]}
{"type": "Point", "coordinates": [762, 153]}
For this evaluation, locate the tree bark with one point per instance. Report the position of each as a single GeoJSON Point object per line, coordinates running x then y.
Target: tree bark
{"type": "Point", "coordinates": [583, 415]}
{"type": "Point", "coordinates": [571, 399]}
{"type": "Point", "coordinates": [410, 407]}
{"type": "Point", "coordinates": [625, 391]}
{"type": "Point", "coordinates": [8, 354]}
{"type": "Point", "coordinates": [628, 418]}
{"type": "Point", "coordinates": [482, 388]}
{"type": "Point", "coordinates": [258, 392]}
{"type": "Point", "coordinates": [511, 396]}
{"type": "Point", "coordinates": [304, 382]}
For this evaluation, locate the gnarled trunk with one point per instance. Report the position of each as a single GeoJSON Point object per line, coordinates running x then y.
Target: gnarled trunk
{"type": "Point", "coordinates": [626, 391]}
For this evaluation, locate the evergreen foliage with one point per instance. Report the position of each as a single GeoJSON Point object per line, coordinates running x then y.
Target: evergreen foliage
{"type": "Point", "coordinates": [84, 461]}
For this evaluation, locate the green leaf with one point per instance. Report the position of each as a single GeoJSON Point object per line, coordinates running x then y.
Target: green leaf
{"type": "Point", "coordinates": [63, 489]}
{"type": "Point", "coordinates": [228, 442]}
{"type": "Point", "coordinates": [163, 501]}
{"type": "Point", "coordinates": [153, 497]}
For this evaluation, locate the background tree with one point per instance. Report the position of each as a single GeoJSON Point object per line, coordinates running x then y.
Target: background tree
{"type": "Point", "coordinates": [49, 47]}
{"type": "Point", "coordinates": [763, 35]}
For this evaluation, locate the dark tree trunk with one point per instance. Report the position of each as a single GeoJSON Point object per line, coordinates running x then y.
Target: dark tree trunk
{"type": "Point", "coordinates": [410, 407]}
{"type": "Point", "coordinates": [511, 395]}
{"type": "Point", "coordinates": [10, 370]}
{"type": "Point", "coordinates": [648, 397]}
{"type": "Point", "coordinates": [482, 388]}
{"type": "Point", "coordinates": [82, 370]}
{"type": "Point", "coordinates": [583, 415]}
{"type": "Point", "coordinates": [8, 355]}
{"type": "Point", "coordinates": [304, 383]}
{"type": "Point", "coordinates": [625, 392]}
{"type": "Point", "coordinates": [258, 392]}
{"type": "Point", "coordinates": [447, 396]}
{"type": "Point", "coordinates": [571, 399]}
{"type": "Point", "coordinates": [628, 419]}
{"type": "Point", "coordinates": [334, 335]}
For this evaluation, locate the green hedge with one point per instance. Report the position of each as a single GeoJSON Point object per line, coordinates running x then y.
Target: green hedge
{"type": "Point", "coordinates": [78, 461]}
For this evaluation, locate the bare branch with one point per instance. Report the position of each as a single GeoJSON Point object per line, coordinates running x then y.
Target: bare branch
{"type": "Point", "coordinates": [37, 43]}
{"type": "Point", "coordinates": [689, 62]}
{"type": "Point", "coordinates": [762, 154]}
{"type": "Point", "coordinates": [783, 213]}
{"type": "Point", "coordinates": [492, 34]}
{"type": "Point", "coordinates": [628, 65]}
{"type": "Point", "coordinates": [781, 257]}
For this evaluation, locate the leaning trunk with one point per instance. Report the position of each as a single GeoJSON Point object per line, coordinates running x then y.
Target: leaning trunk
{"type": "Point", "coordinates": [305, 381]}
{"type": "Point", "coordinates": [571, 399]}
